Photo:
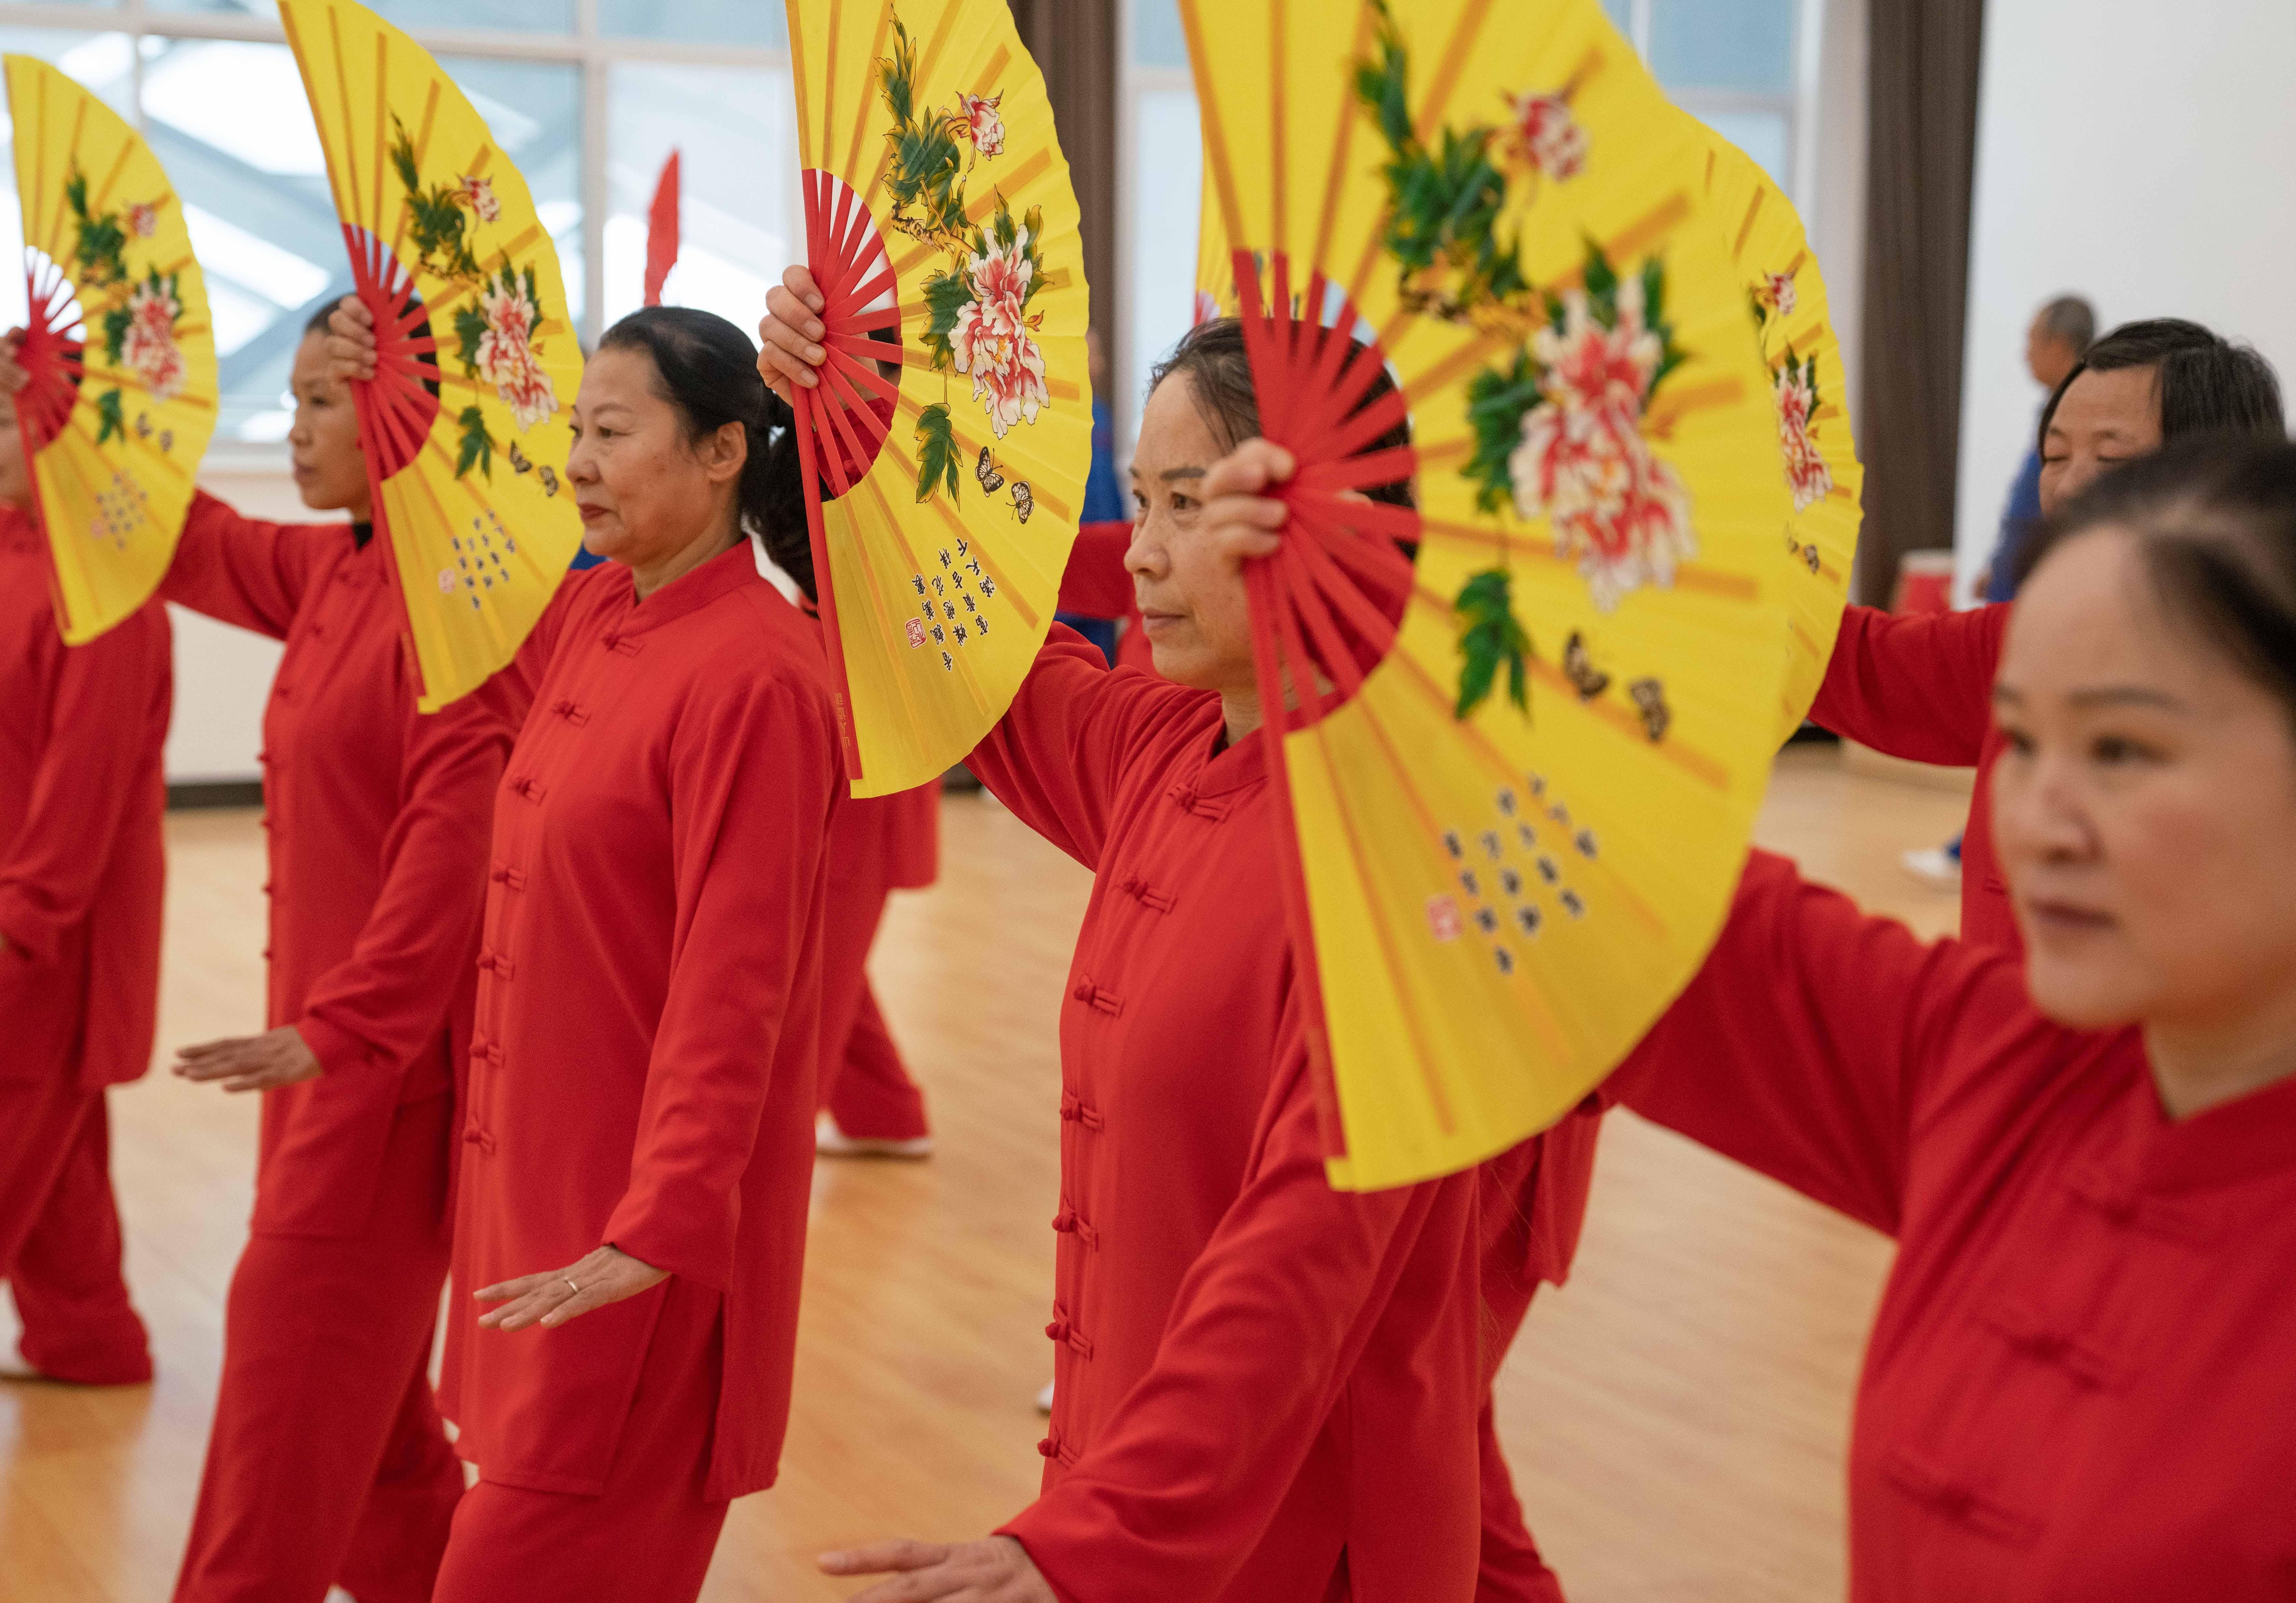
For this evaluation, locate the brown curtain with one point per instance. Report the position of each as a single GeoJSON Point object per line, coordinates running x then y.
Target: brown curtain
{"type": "Point", "coordinates": [1921, 163]}
{"type": "Point", "coordinates": [1075, 43]}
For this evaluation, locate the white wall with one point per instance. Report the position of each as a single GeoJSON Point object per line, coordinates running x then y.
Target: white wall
{"type": "Point", "coordinates": [223, 674]}
{"type": "Point", "coordinates": [2139, 152]}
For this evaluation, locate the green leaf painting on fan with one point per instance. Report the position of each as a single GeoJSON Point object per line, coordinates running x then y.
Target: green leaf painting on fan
{"type": "Point", "coordinates": [1558, 425]}
{"type": "Point", "coordinates": [495, 336]}
{"type": "Point", "coordinates": [139, 317]}
{"type": "Point", "coordinates": [1490, 635]}
{"type": "Point", "coordinates": [937, 451]}
{"type": "Point", "coordinates": [978, 324]}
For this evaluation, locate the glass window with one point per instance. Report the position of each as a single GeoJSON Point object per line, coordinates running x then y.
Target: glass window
{"type": "Point", "coordinates": [736, 205]}
{"type": "Point", "coordinates": [254, 184]}
{"type": "Point", "coordinates": [1158, 39]}
{"type": "Point", "coordinates": [754, 22]}
{"type": "Point", "coordinates": [534, 110]}
{"type": "Point", "coordinates": [501, 16]}
{"type": "Point", "coordinates": [1166, 192]}
{"type": "Point", "coordinates": [1745, 45]}
{"type": "Point", "coordinates": [1767, 136]}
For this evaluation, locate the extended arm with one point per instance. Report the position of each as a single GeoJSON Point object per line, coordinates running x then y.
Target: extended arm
{"type": "Point", "coordinates": [1917, 687]}
{"type": "Point", "coordinates": [245, 570]}
{"type": "Point", "coordinates": [1808, 1042]}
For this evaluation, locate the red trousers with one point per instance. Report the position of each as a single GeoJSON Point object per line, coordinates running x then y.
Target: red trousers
{"type": "Point", "coordinates": [1513, 1571]}
{"type": "Point", "coordinates": [647, 1538]}
{"type": "Point", "coordinates": [863, 1083]}
{"type": "Point", "coordinates": [328, 1465]}
{"type": "Point", "coordinates": [60, 1243]}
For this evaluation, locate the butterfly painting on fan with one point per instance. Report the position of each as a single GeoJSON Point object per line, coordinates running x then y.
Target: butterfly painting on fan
{"type": "Point", "coordinates": [1578, 668]}
{"type": "Point", "coordinates": [1650, 700]}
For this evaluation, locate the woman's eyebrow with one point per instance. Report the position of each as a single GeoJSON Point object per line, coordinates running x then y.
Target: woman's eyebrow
{"type": "Point", "coordinates": [1181, 473]}
{"type": "Point", "coordinates": [2124, 695]}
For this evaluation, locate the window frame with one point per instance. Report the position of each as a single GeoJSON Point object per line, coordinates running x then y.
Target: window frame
{"type": "Point", "coordinates": [595, 53]}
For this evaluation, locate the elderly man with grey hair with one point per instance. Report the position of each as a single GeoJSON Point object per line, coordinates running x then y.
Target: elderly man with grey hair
{"type": "Point", "coordinates": [2061, 334]}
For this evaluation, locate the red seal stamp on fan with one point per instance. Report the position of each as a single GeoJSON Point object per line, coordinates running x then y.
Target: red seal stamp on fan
{"type": "Point", "coordinates": [917, 632]}
{"type": "Point", "coordinates": [1443, 917]}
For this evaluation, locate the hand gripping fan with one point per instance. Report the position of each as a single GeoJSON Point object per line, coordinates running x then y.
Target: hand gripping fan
{"type": "Point", "coordinates": [117, 345]}
{"type": "Point", "coordinates": [1785, 297]}
{"type": "Point", "coordinates": [463, 423]}
{"type": "Point", "coordinates": [942, 492]}
{"type": "Point", "coordinates": [1514, 820]}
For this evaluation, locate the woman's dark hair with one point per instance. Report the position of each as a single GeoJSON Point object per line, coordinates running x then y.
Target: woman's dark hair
{"type": "Point", "coordinates": [708, 369]}
{"type": "Point", "coordinates": [316, 323]}
{"type": "Point", "coordinates": [1212, 358]}
{"type": "Point", "coordinates": [2215, 521]}
{"type": "Point", "coordinates": [2203, 382]}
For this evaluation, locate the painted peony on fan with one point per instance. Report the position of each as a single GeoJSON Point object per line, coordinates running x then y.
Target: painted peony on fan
{"type": "Point", "coordinates": [463, 425]}
{"type": "Point", "coordinates": [117, 345]}
{"type": "Point", "coordinates": [1786, 298]}
{"type": "Point", "coordinates": [1521, 813]}
{"type": "Point", "coordinates": [947, 448]}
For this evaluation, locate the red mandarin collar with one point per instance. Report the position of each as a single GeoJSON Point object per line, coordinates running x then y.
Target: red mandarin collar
{"type": "Point", "coordinates": [690, 592]}
{"type": "Point", "coordinates": [1230, 768]}
{"type": "Point", "coordinates": [2241, 1140]}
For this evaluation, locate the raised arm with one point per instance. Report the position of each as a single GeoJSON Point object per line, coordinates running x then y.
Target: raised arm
{"type": "Point", "coordinates": [1057, 755]}
{"type": "Point", "coordinates": [1269, 1326]}
{"type": "Point", "coordinates": [1813, 1037]}
{"type": "Point", "coordinates": [1918, 687]}
{"type": "Point", "coordinates": [85, 785]}
{"type": "Point", "coordinates": [388, 998]}
{"type": "Point", "coordinates": [1096, 583]}
{"type": "Point", "coordinates": [244, 571]}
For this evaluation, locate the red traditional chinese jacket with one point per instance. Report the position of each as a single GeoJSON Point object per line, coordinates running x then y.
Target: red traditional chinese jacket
{"type": "Point", "coordinates": [1255, 1373]}
{"type": "Point", "coordinates": [82, 865]}
{"type": "Point", "coordinates": [2078, 1386]}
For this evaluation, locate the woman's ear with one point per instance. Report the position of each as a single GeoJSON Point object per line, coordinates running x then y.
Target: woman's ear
{"type": "Point", "coordinates": [726, 452]}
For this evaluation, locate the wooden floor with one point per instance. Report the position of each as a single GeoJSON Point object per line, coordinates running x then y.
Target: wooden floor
{"type": "Point", "coordinates": [1676, 1416]}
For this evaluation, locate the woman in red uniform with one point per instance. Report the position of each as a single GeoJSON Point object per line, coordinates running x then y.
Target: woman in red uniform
{"type": "Point", "coordinates": [638, 1140]}
{"type": "Point", "coordinates": [2077, 1385]}
{"type": "Point", "coordinates": [327, 1464]}
{"type": "Point", "coordinates": [1920, 687]}
{"type": "Point", "coordinates": [1267, 1389]}
{"type": "Point", "coordinates": [870, 1108]}
{"type": "Point", "coordinates": [81, 871]}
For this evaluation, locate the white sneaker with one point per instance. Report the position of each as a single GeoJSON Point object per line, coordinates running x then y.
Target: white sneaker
{"type": "Point", "coordinates": [832, 1142]}
{"type": "Point", "coordinates": [1045, 1399]}
{"type": "Point", "coordinates": [1934, 867]}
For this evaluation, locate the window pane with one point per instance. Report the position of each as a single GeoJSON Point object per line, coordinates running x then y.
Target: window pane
{"type": "Point", "coordinates": [534, 110]}
{"type": "Point", "coordinates": [1765, 136]}
{"type": "Point", "coordinates": [754, 22]}
{"type": "Point", "coordinates": [1167, 188]}
{"type": "Point", "coordinates": [1723, 44]}
{"type": "Point", "coordinates": [731, 127]}
{"type": "Point", "coordinates": [1158, 39]}
{"type": "Point", "coordinates": [254, 184]}
{"type": "Point", "coordinates": [505, 16]}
